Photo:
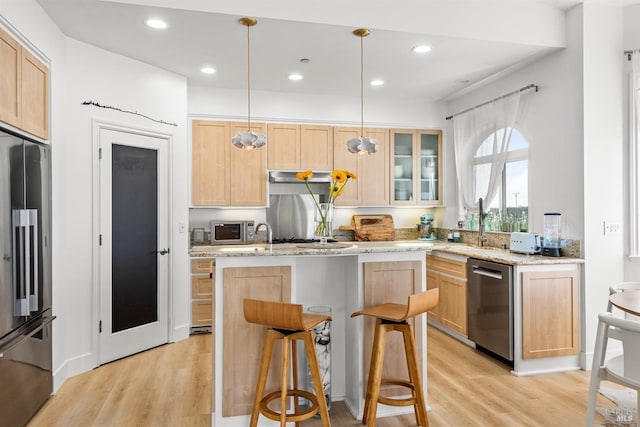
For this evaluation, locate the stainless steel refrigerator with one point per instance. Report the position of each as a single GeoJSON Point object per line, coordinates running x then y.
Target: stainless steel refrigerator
{"type": "Point", "coordinates": [25, 278]}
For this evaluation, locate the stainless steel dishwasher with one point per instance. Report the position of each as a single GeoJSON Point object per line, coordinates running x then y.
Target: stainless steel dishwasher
{"type": "Point", "coordinates": [490, 306]}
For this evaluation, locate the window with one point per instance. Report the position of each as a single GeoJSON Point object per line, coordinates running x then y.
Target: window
{"type": "Point", "coordinates": [508, 211]}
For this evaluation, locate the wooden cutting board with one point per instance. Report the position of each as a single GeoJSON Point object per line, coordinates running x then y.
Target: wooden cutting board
{"type": "Point", "coordinates": [373, 227]}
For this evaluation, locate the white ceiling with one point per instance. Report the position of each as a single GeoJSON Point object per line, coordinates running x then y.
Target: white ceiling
{"type": "Point", "coordinates": [470, 41]}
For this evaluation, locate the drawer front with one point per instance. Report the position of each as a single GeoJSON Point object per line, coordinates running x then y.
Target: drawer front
{"type": "Point", "coordinates": [201, 313]}
{"type": "Point", "coordinates": [202, 265]}
{"type": "Point", "coordinates": [201, 287]}
{"type": "Point", "coordinates": [446, 265]}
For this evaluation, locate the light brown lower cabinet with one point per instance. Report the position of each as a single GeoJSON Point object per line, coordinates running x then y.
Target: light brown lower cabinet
{"type": "Point", "coordinates": [550, 314]}
{"type": "Point", "coordinates": [391, 282]}
{"type": "Point", "coordinates": [242, 341]}
{"type": "Point", "coordinates": [201, 293]}
{"type": "Point", "coordinates": [450, 276]}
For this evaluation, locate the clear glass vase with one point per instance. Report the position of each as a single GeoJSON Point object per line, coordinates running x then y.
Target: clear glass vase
{"type": "Point", "coordinates": [323, 219]}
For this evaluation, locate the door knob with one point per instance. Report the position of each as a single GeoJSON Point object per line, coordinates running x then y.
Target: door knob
{"type": "Point", "coordinates": [163, 251]}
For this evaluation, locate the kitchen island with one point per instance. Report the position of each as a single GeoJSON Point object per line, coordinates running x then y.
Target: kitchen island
{"type": "Point", "coordinates": [346, 278]}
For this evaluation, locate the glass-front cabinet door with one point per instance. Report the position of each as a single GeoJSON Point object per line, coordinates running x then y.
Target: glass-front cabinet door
{"type": "Point", "coordinates": [416, 165]}
{"type": "Point", "coordinates": [403, 165]}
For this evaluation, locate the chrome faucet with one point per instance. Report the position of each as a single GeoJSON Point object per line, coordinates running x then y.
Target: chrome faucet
{"type": "Point", "coordinates": [269, 232]}
{"type": "Point", "coordinates": [481, 237]}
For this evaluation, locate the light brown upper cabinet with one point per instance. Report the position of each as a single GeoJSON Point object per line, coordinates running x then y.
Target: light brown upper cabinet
{"type": "Point", "coordinates": [299, 147]}
{"type": "Point", "coordinates": [223, 175]}
{"type": "Point", "coordinates": [416, 167]}
{"type": "Point", "coordinates": [371, 188]}
{"type": "Point", "coordinates": [24, 88]}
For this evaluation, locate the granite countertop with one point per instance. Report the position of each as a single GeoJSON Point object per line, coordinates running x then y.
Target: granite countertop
{"type": "Point", "coordinates": [354, 248]}
{"type": "Point", "coordinates": [503, 255]}
{"type": "Point", "coordinates": [301, 249]}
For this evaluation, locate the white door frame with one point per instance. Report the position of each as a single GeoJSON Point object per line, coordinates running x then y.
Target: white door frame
{"type": "Point", "coordinates": [97, 126]}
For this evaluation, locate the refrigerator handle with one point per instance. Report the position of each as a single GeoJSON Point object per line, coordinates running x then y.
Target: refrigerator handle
{"type": "Point", "coordinates": [14, 342]}
{"type": "Point", "coordinates": [33, 259]}
{"type": "Point", "coordinates": [20, 301]}
{"type": "Point", "coordinates": [25, 261]}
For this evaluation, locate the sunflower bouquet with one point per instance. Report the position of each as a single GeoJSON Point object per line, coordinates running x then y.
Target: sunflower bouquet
{"type": "Point", "coordinates": [339, 179]}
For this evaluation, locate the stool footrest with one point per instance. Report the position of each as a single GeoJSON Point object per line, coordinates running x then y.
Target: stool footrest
{"type": "Point", "coordinates": [397, 401]}
{"type": "Point", "coordinates": [307, 413]}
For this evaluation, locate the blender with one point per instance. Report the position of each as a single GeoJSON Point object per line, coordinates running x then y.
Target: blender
{"type": "Point", "coordinates": [425, 228]}
{"type": "Point", "coordinates": [551, 235]}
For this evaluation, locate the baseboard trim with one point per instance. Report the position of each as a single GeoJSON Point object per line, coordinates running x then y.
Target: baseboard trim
{"type": "Point", "coordinates": [73, 367]}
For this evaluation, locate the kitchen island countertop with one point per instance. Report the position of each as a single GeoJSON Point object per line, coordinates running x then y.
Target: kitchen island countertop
{"type": "Point", "coordinates": [357, 247]}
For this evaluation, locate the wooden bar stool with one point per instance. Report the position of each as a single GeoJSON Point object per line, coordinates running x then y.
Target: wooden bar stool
{"type": "Point", "coordinates": [288, 323]}
{"type": "Point", "coordinates": [393, 317]}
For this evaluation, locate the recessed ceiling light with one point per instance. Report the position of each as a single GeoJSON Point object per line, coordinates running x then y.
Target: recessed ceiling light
{"type": "Point", "coordinates": [156, 23]}
{"type": "Point", "coordinates": [208, 70]}
{"type": "Point", "coordinates": [423, 48]}
{"type": "Point", "coordinates": [462, 81]}
{"type": "Point", "coordinates": [295, 76]}
{"type": "Point", "coordinates": [376, 82]}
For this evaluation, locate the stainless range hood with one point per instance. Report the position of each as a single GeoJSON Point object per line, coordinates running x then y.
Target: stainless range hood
{"type": "Point", "coordinates": [290, 177]}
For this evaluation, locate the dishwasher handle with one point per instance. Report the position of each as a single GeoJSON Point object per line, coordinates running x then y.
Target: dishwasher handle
{"type": "Point", "coordinates": [486, 272]}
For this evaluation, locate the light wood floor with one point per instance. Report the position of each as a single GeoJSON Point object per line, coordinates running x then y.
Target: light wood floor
{"type": "Point", "coordinates": [170, 386]}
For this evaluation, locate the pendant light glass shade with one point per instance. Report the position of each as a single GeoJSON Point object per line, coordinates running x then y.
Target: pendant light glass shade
{"type": "Point", "coordinates": [363, 144]}
{"type": "Point", "coordinates": [249, 140]}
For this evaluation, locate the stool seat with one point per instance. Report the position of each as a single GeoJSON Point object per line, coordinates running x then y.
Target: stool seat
{"type": "Point", "coordinates": [387, 311]}
{"type": "Point", "coordinates": [393, 317]}
{"type": "Point", "coordinates": [288, 323]}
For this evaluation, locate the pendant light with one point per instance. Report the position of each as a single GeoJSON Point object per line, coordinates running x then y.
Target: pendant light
{"type": "Point", "coordinates": [248, 140]}
{"type": "Point", "coordinates": [363, 144]}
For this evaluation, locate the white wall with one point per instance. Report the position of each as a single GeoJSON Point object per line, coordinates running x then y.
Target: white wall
{"type": "Point", "coordinates": [109, 79]}
{"type": "Point", "coordinates": [80, 72]}
{"type": "Point", "coordinates": [603, 63]}
{"type": "Point", "coordinates": [631, 42]}
{"type": "Point", "coordinates": [314, 108]}
{"type": "Point", "coordinates": [631, 37]}
{"type": "Point", "coordinates": [552, 125]}
{"type": "Point", "coordinates": [574, 128]}
{"type": "Point", "coordinates": [229, 104]}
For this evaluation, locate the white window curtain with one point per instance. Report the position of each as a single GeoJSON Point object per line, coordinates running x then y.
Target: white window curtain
{"type": "Point", "coordinates": [634, 160]}
{"type": "Point", "coordinates": [470, 129]}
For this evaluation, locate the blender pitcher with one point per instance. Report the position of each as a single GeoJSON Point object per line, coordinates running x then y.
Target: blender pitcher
{"type": "Point", "coordinates": [551, 235]}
